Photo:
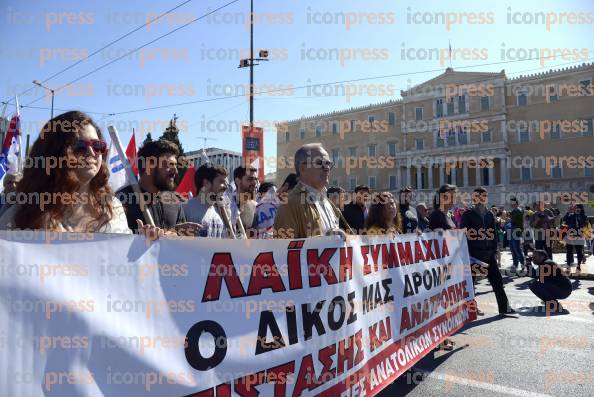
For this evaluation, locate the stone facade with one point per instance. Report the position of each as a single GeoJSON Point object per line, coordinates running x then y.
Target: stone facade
{"type": "Point", "coordinates": [465, 128]}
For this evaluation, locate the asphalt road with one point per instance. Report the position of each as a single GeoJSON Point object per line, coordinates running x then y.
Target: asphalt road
{"type": "Point", "coordinates": [528, 354]}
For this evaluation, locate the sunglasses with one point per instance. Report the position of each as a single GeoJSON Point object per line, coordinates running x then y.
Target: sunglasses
{"type": "Point", "coordinates": [319, 163]}
{"type": "Point", "coordinates": [82, 146]}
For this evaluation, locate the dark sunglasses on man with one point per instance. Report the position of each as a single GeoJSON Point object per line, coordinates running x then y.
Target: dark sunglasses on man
{"type": "Point", "coordinates": [82, 146]}
{"type": "Point", "coordinates": [319, 163]}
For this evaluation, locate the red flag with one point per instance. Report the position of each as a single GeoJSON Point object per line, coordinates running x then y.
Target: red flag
{"type": "Point", "coordinates": [131, 153]}
{"type": "Point", "coordinates": [186, 185]}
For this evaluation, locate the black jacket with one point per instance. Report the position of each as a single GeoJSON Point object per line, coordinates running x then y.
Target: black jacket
{"type": "Point", "coordinates": [551, 274]}
{"type": "Point", "coordinates": [165, 207]}
{"type": "Point", "coordinates": [481, 236]}
{"type": "Point", "coordinates": [355, 217]}
{"type": "Point", "coordinates": [439, 220]}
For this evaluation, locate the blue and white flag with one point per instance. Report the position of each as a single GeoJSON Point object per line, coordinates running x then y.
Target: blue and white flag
{"type": "Point", "coordinates": [117, 172]}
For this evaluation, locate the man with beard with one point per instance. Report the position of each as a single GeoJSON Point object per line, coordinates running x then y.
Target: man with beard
{"type": "Point", "coordinates": [246, 182]}
{"type": "Point", "coordinates": [157, 167]}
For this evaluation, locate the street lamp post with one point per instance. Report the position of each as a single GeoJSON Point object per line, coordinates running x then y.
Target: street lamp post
{"type": "Point", "coordinates": [263, 56]}
{"type": "Point", "coordinates": [37, 82]}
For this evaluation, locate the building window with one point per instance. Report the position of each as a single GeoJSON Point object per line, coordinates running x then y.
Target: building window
{"type": "Point", "coordinates": [451, 106]}
{"type": "Point", "coordinates": [418, 114]}
{"type": "Point", "coordinates": [391, 118]}
{"type": "Point", "coordinates": [552, 93]}
{"type": "Point", "coordinates": [439, 108]}
{"type": "Point", "coordinates": [335, 156]}
{"type": "Point", "coordinates": [302, 134]}
{"type": "Point", "coordinates": [526, 174]}
{"type": "Point", "coordinates": [371, 150]}
{"type": "Point", "coordinates": [484, 103]}
{"type": "Point", "coordinates": [420, 144]}
{"type": "Point", "coordinates": [334, 128]}
{"type": "Point", "coordinates": [371, 182]}
{"type": "Point", "coordinates": [352, 183]}
{"type": "Point", "coordinates": [392, 182]}
{"type": "Point", "coordinates": [319, 131]}
{"type": "Point", "coordinates": [522, 98]}
{"type": "Point", "coordinates": [586, 87]}
{"type": "Point", "coordinates": [556, 172]}
{"type": "Point", "coordinates": [461, 104]}
{"type": "Point", "coordinates": [371, 120]}
{"type": "Point", "coordinates": [524, 135]}
{"type": "Point", "coordinates": [353, 151]}
{"type": "Point", "coordinates": [287, 136]}
{"type": "Point", "coordinates": [391, 149]}
{"type": "Point", "coordinates": [589, 171]}
{"type": "Point", "coordinates": [451, 138]}
{"type": "Point", "coordinates": [589, 131]}
{"type": "Point", "coordinates": [486, 136]}
{"type": "Point", "coordinates": [439, 141]}
{"type": "Point", "coordinates": [556, 132]}
{"type": "Point", "coordinates": [353, 125]}
{"type": "Point", "coordinates": [462, 136]}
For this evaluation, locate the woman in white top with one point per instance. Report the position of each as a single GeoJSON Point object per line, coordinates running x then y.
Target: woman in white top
{"type": "Point", "coordinates": [65, 183]}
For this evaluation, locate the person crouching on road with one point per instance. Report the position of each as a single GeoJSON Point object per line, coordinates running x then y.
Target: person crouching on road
{"type": "Point", "coordinates": [551, 284]}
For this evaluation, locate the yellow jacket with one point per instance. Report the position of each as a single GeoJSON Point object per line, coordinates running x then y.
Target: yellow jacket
{"type": "Point", "coordinates": [299, 218]}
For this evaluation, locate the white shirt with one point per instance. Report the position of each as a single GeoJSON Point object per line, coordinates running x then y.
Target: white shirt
{"type": "Point", "coordinates": [329, 219]}
{"type": "Point", "coordinates": [207, 215]}
{"type": "Point", "coordinates": [117, 224]}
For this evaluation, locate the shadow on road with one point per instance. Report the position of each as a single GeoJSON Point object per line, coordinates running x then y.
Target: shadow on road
{"type": "Point", "coordinates": [538, 311]}
{"type": "Point", "coordinates": [486, 320]}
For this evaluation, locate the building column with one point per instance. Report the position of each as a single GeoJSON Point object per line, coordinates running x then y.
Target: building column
{"type": "Point", "coordinates": [454, 172]}
{"type": "Point", "coordinates": [492, 175]}
{"type": "Point", "coordinates": [465, 175]}
{"type": "Point", "coordinates": [430, 176]}
{"type": "Point", "coordinates": [419, 177]}
{"type": "Point", "coordinates": [408, 171]}
{"type": "Point", "coordinates": [504, 173]}
{"type": "Point", "coordinates": [477, 174]}
{"type": "Point", "coordinates": [441, 175]}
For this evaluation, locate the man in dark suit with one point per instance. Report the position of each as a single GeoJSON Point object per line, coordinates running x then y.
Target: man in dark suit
{"type": "Point", "coordinates": [482, 243]}
{"type": "Point", "coordinates": [355, 212]}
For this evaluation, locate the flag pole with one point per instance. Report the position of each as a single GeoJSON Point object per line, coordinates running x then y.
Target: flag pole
{"type": "Point", "coordinates": [19, 141]}
{"type": "Point", "coordinates": [115, 139]}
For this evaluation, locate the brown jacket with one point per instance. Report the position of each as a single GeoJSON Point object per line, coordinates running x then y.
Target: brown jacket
{"type": "Point", "coordinates": [299, 218]}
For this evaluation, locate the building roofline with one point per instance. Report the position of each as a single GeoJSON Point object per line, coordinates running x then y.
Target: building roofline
{"type": "Point", "coordinates": [553, 72]}
{"type": "Point", "coordinates": [548, 73]}
{"type": "Point", "coordinates": [343, 111]}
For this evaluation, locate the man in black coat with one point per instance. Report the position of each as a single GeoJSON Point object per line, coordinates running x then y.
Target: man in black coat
{"type": "Point", "coordinates": [482, 243]}
{"type": "Point", "coordinates": [551, 284]}
{"type": "Point", "coordinates": [355, 212]}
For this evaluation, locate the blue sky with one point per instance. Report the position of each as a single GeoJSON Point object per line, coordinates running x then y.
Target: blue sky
{"type": "Point", "coordinates": [305, 40]}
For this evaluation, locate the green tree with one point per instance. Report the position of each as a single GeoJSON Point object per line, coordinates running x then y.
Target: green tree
{"type": "Point", "coordinates": [147, 139]}
{"type": "Point", "coordinates": [171, 134]}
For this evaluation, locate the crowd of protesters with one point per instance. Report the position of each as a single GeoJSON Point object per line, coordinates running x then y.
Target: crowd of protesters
{"type": "Point", "coordinates": [303, 206]}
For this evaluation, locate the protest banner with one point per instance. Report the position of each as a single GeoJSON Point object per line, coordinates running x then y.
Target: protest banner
{"type": "Point", "coordinates": [106, 314]}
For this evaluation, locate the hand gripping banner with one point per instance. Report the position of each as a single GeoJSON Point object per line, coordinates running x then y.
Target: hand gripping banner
{"type": "Point", "coordinates": [106, 315]}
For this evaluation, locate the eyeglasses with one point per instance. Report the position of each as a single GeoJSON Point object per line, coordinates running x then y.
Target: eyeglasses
{"type": "Point", "coordinates": [319, 163]}
{"type": "Point", "coordinates": [82, 146]}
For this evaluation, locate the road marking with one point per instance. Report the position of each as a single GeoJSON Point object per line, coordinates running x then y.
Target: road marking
{"type": "Point", "coordinates": [512, 391]}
